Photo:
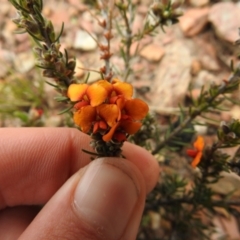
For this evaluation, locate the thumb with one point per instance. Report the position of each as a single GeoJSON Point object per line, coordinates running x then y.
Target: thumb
{"type": "Point", "coordinates": [104, 200]}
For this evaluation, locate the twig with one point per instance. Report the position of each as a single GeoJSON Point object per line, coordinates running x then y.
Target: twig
{"type": "Point", "coordinates": [129, 38]}
{"type": "Point", "coordinates": [107, 15]}
{"type": "Point", "coordinates": [189, 119]}
{"type": "Point", "coordinates": [90, 70]}
{"type": "Point", "coordinates": [146, 31]}
{"type": "Point", "coordinates": [56, 64]}
{"type": "Point", "coordinates": [175, 132]}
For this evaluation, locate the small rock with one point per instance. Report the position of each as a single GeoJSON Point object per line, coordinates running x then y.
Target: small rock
{"type": "Point", "coordinates": [21, 37]}
{"type": "Point", "coordinates": [196, 67]}
{"type": "Point", "coordinates": [23, 43]}
{"type": "Point", "coordinates": [7, 56]}
{"type": "Point", "coordinates": [94, 76]}
{"type": "Point", "coordinates": [24, 62]}
{"type": "Point", "coordinates": [78, 5]}
{"type": "Point", "coordinates": [152, 52]}
{"type": "Point", "coordinates": [79, 71]}
{"type": "Point", "coordinates": [229, 182]}
{"type": "Point", "coordinates": [84, 41]}
{"type": "Point", "coordinates": [195, 93]}
{"type": "Point", "coordinates": [225, 18]}
{"type": "Point", "coordinates": [226, 116]}
{"type": "Point", "coordinates": [3, 69]}
{"type": "Point", "coordinates": [87, 26]}
{"type": "Point", "coordinates": [5, 8]}
{"type": "Point", "coordinates": [172, 76]}
{"type": "Point", "coordinates": [155, 220]}
{"type": "Point", "coordinates": [138, 67]}
{"type": "Point", "coordinates": [142, 9]}
{"type": "Point", "coordinates": [204, 78]}
{"type": "Point", "coordinates": [200, 129]}
{"type": "Point", "coordinates": [209, 63]}
{"type": "Point", "coordinates": [198, 3]}
{"type": "Point", "coordinates": [118, 63]}
{"type": "Point", "coordinates": [137, 24]}
{"type": "Point", "coordinates": [97, 29]}
{"type": "Point", "coordinates": [53, 121]}
{"type": "Point", "coordinates": [225, 225]}
{"type": "Point", "coordinates": [73, 12]}
{"type": "Point", "coordinates": [59, 17]}
{"type": "Point", "coordinates": [235, 112]}
{"type": "Point", "coordinates": [47, 11]}
{"type": "Point", "coordinates": [7, 32]}
{"type": "Point", "coordinates": [207, 52]}
{"type": "Point", "coordinates": [139, 45]}
{"type": "Point", "coordinates": [193, 21]}
{"type": "Point", "coordinates": [86, 22]}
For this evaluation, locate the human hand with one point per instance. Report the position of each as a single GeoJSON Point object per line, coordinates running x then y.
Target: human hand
{"type": "Point", "coordinates": [102, 199]}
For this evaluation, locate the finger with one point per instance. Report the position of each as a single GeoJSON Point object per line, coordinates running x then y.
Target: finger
{"type": "Point", "coordinates": [104, 200]}
{"type": "Point", "coordinates": [35, 162]}
{"type": "Point", "coordinates": [13, 221]}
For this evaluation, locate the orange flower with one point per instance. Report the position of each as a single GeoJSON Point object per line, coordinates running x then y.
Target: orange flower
{"type": "Point", "coordinates": [107, 108]}
{"type": "Point", "coordinates": [94, 94]}
{"type": "Point", "coordinates": [197, 152]}
{"type": "Point", "coordinates": [87, 98]}
{"type": "Point", "coordinates": [125, 119]}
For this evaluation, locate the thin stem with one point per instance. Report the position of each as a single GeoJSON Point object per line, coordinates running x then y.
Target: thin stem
{"type": "Point", "coordinates": [41, 27]}
{"type": "Point", "coordinates": [129, 38]}
{"type": "Point", "coordinates": [188, 120]}
{"type": "Point", "coordinates": [146, 31]}
{"type": "Point", "coordinates": [90, 70]}
{"type": "Point", "coordinates": [109, 27]}
{"type": "Point", "coordinates": [107, 15]}
{"type": "Point", "coordinates": [175, 132]}
{"type": "Point", "coordinates": [50, 58]}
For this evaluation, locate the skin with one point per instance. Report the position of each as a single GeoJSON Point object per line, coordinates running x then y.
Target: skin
{"type": "Point", "coordinates": [41, 169]}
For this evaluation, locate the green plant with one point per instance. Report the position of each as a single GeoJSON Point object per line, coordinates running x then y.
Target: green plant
{"type": "Point", "coordinates": [180, 201]}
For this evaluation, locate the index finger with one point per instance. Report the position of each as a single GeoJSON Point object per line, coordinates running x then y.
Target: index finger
{"type": "Point", "coordinates": [35, 162]}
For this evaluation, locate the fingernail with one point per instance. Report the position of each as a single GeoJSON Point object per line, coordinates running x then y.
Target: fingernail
{"type": "Point", "coordinates": [106, 195]}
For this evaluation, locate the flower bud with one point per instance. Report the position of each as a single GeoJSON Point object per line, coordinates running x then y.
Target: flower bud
{"type": "Point", "coordinates": [225, 128]}
{"type": "Point", "coordinates": [38, 51]}
{"type": "Point", "coordinates": [60, 67]}
{"type": "Point", "coordinates": [50, 30]}
{"type": "Point", "coordinates": [43, 64]}
{"type": "Point", "coordinates": [231, 135]}
{"type": "Point", "coordinates": [49, 73]}
{"type": "Point", "coordinates": [17, 21]}
{"type": "Point", "coordinates": [32, 28]}
{"type": "Point", "coordinates": [71, 64]}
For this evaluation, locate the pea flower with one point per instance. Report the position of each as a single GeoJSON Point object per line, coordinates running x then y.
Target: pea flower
{"type": "Point", "coordinates": [197, 152]}
{"type": "Point", "coordinates": [107, 108]}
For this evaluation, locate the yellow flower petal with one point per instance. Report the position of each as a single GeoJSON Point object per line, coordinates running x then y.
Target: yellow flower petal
{"type": "Point", "coordinates": [84, 118]}
{"type": "Point", "coordinates": [98, 92]}
{"type": "Point", "coordinates": [109, 113]}
{"type": "Point", "coordinates": [136, 108]}
{"type": "Point", "coordinates": [76, 91]}
{"type": "Point", "coordinates": [130, 127]}
{"type": "Point", "coordinates": [123, 88]}
{"type": "Point", "coordinates": [199, 143]}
